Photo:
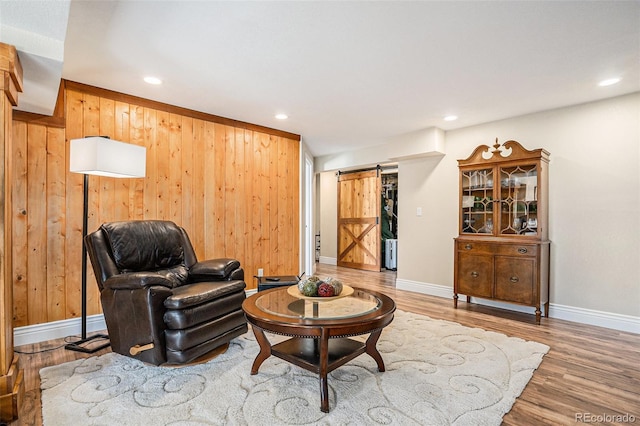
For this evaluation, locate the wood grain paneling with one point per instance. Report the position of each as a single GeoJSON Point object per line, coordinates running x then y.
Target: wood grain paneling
{"type": "Point", "coordinates": [36, 241]}
{"type": "Point", "coordinates": [233, 188]}
{"type": "Point", "coordinates": [19, 251]}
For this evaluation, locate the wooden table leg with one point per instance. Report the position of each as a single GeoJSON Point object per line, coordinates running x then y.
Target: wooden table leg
{"type": "Point", "coordinates": [373, 351]}
{"type": "Point", "coordinates": [265, 349]}
{"type": "Point", "coordinates": [324, 368]}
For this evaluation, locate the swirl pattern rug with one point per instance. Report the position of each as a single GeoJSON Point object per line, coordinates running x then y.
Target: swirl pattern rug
{"type": "Point", "coordinates": [437, 373]}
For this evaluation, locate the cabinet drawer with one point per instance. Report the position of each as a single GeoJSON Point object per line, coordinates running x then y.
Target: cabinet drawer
{"type": "Point", "coordinates": [476, 248]}
{"type": "Point", "coordinates": [516, 249]}
{"type": "Point", "coordinates": [498, 249]}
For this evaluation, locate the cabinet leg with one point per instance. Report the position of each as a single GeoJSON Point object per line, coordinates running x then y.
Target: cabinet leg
{"type": "Point", "coordinates": [455, 300]}
{"type": "Point", "coordinates": [546, 309]}
{"type": "Point", "coordinates": [538, 314]}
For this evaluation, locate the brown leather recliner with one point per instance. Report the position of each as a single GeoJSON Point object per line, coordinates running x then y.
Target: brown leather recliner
{"type": "Point", "coordinates": [160, 304]}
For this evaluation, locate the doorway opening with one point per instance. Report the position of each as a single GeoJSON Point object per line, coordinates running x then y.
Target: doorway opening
{"type": "Point", "coordinates": [389, 220]}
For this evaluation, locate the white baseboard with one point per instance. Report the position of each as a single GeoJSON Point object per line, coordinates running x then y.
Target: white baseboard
{"type": "Point", "coordinates": [570, 313]}
{"type": "Point", "coordinates": [592, 317]}
{"type": "Point", "coordinates": [425, 288]}
{"type": "Point", "coordinates": [56, 330]}
{"type": "Point", "coordinates": [328, 260]}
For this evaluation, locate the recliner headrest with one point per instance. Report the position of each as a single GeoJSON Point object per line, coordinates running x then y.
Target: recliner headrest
{"type": "Point", "coordinates": [145, 245]}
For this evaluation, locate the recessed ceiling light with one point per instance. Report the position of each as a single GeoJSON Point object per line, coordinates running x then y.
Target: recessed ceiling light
{"type": "Point", "coordinates": [609, 81]}
{"type": "Point", "coordinates": [152, 80]}
{"type": "Point", "coordinates": [451, 118]}
{"type": "Point", "coordinates": [282, 116]}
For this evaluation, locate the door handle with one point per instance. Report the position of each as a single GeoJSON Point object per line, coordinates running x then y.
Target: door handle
{"type": "Point", "coordinates": [522, 250]}
{"type": "Point", "coordinates": [514, 279]}
{"type": "Point", "coordinates": [474, 274]}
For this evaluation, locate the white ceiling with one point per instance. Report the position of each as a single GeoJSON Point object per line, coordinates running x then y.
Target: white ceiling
{"type": "Point", "coordinates": [348, 74]}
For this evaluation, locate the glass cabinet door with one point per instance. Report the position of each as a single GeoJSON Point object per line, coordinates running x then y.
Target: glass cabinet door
{"type": "Point", "coordinates": [518, 200]}
{"type": "Point", "coordinates": [477, 201]}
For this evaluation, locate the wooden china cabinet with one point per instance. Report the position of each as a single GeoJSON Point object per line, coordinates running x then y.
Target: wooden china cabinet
{"type": "Point", "coordinates": [502, 251]}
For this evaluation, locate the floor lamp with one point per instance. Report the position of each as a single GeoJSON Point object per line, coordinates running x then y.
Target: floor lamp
{"type": "Point", "coordinates": [101, 156]}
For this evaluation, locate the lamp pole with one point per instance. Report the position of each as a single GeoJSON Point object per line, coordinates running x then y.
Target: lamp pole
{"type": "Point", "coordinates": [78, 345]}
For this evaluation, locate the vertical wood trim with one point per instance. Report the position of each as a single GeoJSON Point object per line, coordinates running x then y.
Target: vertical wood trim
{"type": "Point", "coordinates": [37, 222]}
{"type": "Point", "coordinates": [260, 199]}
{"type": "Point", "coordinates": [162, 166]}
{"type": "Point", "coordinates": [6, 289]}
{"type": "Point", "coordinates": [73, 249]}
{"type": "Point", "coordinates": [213, 185]}
{"type": "Point", "coordinates": [150, 182]}
{"type": "Point", "coordinates": [136, 186]}
{"type": "Point", "coordinates": [230, 195]}
{"type": "Point", "coordinates": [240, 188]}
{"type": "Point", "coordinates": [197, 234]}
{"type": "Point", "coordinates": [11, 374]}
{"type": "Point", "coordinates": [97, 186]}
{"type": "Point", "coordinates": [106, 192]}
{"type": "Point", "coordinates": [19, 251]}
{"type": "Point", "coordinates": [56, 200]}
{"type": "Point", "coordinates": [248, 203]}
{"type": "Point", "coordinates": [175, 168]}
{"type": "Point", "coordinates": [215, 209]}
{"type": "Point", "coordinates": [273, 205]}
{"type": "Point", "coordinates": [283, 203]}
{"type": "Point", "coordinates": [186, 173]}
{"type": "Point", "coordinates": [265, 204]}
{"type": "Point", "coordinates": [121, 132]}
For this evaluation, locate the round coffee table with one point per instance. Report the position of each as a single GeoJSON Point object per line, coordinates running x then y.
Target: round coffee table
{"type": "Point", "coordinates": [319, 329]}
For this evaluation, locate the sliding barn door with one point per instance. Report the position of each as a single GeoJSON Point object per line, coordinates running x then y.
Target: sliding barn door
{"type": "Point", "coordinates": [359, 220]}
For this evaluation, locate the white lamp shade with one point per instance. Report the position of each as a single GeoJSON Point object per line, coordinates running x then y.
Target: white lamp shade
{"type": "Point", "coordinates": [105, 157]}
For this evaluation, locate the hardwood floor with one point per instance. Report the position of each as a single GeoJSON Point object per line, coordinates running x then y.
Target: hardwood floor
{"type": "Point", "coordinates": [590, 375]}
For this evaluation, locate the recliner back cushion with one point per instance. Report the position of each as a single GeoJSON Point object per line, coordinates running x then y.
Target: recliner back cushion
{"type": "Point", "coordinates": [145, 245]}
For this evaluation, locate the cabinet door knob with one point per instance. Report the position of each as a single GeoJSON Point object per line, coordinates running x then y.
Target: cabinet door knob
{"type": "Point", "coordinates": [467, 247]}
{"type": "Point", "coordinates": [474, 274]}
{"type": "Point", "coordinates": [514, 279]}
{"type": "Point", "coordinates": [522, 250]}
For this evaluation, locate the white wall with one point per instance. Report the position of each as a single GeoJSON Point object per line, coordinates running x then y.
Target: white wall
{"type": "Point", "coordinates": [594, 210]}
{"type": "Point", "coordinates": [425, 243]}
{"type": "Point", "coordinates": [328, 207]}
{"type": "Point", "coordinates": [307, 226]}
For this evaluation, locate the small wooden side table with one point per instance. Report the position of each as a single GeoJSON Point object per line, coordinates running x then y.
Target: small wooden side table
{"type": "Point", "coordinates": [275, 281]}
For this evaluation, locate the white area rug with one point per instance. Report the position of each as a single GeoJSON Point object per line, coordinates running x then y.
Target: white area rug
{"type": "Point", "coordinates": [438, 373]}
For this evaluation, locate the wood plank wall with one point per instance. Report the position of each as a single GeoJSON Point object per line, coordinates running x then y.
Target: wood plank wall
{"type": "Point", "coordinates": [233, 187]}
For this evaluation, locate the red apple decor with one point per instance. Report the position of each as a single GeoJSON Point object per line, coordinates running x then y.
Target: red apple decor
{"type": "Point", "coordinates": [326, 290]}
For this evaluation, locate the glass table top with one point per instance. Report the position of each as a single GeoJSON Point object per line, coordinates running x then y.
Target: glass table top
{"type": "Point", "coordinates": [283, 304]}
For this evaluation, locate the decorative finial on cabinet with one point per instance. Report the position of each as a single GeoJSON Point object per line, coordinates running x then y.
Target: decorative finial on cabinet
{"type": "Point", "coordinates": [496, 147]}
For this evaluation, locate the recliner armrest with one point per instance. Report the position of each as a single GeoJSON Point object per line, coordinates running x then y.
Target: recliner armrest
{"type": "Point", "coordinates": [213, 269]}
{"type": "Point", "coordinates": [136, 280]}
{"type": "Point", "coordinates": [198, 293]}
